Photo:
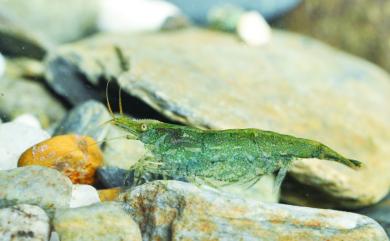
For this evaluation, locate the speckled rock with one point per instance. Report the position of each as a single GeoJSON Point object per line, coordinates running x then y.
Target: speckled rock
{"type": "Point", "coordinates": [104, 221]}
{"type": "Point", "coordinates": [86, 119]}
{"type": "Point", "coordinates": [77, 157]}
{"type": "Point", "coordinates": [362, 28]}
{"type": "Point", "coordinates": [15, 138]}
{"type": "Point", "coordinates": [380, 212]}
{"type": "Point", "coordinates": [30, 28]}
{"type": "Point", "coordinates": [24, 223]}
{"type": "Point", "coordinates": [35, 185]}
{"type": "Point", "coordinates": [172, 210]}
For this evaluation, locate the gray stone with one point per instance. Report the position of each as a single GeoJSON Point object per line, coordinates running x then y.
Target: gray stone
{"type": "Point", "coordinates": [172, 210]}
{"type": "Point", "coordinates": [335, 22]}
{"type": "Point", "coordinates": [86, 119]}
{"type": "Point", "coordinates": [20, 79]}
{"type": "Point", "coordinates": [30, 28]}
{"type": "Point", "coordinates": [104, 221]}
{"type": "Point", "coordinates": [15, 138]}
{"type": "Point", "coordinates": [24, 223]}
{"type": "Point", "coordinates": [35, 185]}
{"type": "Point", "coordinates": [111, 177]}
{"type": "Point", "coordinates": [380, 212]}
{"type": "Point", "coordinates": [210, 80]}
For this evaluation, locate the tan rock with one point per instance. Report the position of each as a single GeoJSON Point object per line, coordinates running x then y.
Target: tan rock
{"type": "Point", "coordinates": [293, 85]}
{"type": "Point", "coordinates": [172, 210]}
{"type": "Point", "coordinates": [75, 156]}
{"type": "Point", "coordinates": [99, 222]}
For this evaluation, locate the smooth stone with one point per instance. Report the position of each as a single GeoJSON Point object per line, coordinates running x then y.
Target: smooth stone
{"type": "Point", "coordinates": [121, 152]}
{"type": "Point", "coordinates": [172, 210]}
{"type": "Point", "coordinates": [253, 29]}
{"type": "Point", "coordinates": [87, 119]}
{"type": "Point", "coordinates": [336, 23]}
{"type": "Point", "coordinates": [23, 76]}
{"type": "Point", "coordinates": [106, 221]}
{"type": "Point", "coordinates": [380, 213]}
{"type": "Point", "coordinates": [31, 28]}
{"type": "Point", "coordinates": [54, 236]}
{"type": "Point", "coordinates": [29, 120]}
{"type": "Point", "coordinates": [35, 185]}
{"type": "Point", "coordinates": [24, 223]}
{"type": "Point", "coordinates": [197, 11]}
{"type": "Point", "coordinates": [83, 195]}
{"type": "Point", "coordinates": [75, 156]}
{"type": "Point", "coordinates": [135, 15]}
{"type": "Point", "coordinates": [111, 194]}
{"type": "Point", "coordinates": [201, 86]}
{"type": "Point", "coordinates": [110, 177]}
{"type": "Point", "coordinates": [15, 138]}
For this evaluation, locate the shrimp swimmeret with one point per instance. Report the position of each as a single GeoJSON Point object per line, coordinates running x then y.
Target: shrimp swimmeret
{"type": "Point", "coordinates": [226, 156]}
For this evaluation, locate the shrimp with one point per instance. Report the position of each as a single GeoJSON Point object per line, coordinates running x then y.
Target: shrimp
{"type": "Point", "coordinates": [225, 156]}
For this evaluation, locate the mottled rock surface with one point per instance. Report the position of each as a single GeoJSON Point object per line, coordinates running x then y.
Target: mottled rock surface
{"type": "Point", "coordinates": [172, 210]}
{"type": "Point", "coordinates": [24, 223]}
{"type": "Point", "coordinates": [293, 85]}
{"type": "Point", "coordinates": [104, 221]}
{"type": "Point", "coordinates": [35, 185]}
{"type": "Point", "coordinates": [362, 28]}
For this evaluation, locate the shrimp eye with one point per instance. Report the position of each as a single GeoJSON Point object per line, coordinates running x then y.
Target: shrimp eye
{"type": "Point", "coordinates": [144, 127]}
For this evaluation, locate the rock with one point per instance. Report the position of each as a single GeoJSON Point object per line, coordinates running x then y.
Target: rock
{"type": "Point", "coordinates": [86, 119]}
{"type": "Point", "coordinates": [30, 28]}
{"type": "Point", "coordinates": [172, 210]}
{"type": "Point", "coordinates": [120, 152]}
{"type": "Point", "coordinates": [24, 222]}
{"type": "Point", "coordinates": [110, 177]}
{"type": "Point", "coordinates": [380, 213]}
{"type": "Point", "coordinates": [250, 26]}
{"type": "Point", "coordinates": [22, 76]}
{"type": "Point", "coordinates": [75, 156]}
{"type": "Point", "coordinates": [28, 120]}
{"type": "Point", "coordinates": [335, 23]}
{"type": "Point", "coordinates": [54, 236]}
{"type": "Point", "coordinates": [16, 138]}
{"type": "Point", "coordinates": [268, 8]}
{"type": "Point", "coordinates": [35, 185]}
{"type": "Point", "coordinates": [109, 194]}
{"type": "Point", "coordinates": [135, 15]}
{"type": "Point", "coordinates": [83, 195]}
{"type": "Point", "coordinates": [275, 90]}
{"type": "Point", "coordinates": [103, 221]}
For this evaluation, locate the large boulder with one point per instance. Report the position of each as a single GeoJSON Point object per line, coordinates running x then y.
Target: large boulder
{"type": "Point", "coordinates": [294, 85]}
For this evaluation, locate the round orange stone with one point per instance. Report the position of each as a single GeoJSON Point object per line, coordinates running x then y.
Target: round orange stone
{"type": "Point", "coordinates": [75, 156]}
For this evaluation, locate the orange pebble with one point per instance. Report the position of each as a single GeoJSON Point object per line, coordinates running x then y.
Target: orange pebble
{"type": "Point", "coordinates": [75, 156]}
{"type": "Point", "coordinates": [109, 194]}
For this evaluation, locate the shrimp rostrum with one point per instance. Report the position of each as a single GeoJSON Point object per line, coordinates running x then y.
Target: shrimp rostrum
{"type": "Point", "coordinates": [225, 156]}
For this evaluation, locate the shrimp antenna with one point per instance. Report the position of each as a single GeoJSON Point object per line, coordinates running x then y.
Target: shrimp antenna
{"type": "Point", "coordinates": [108, 101]}
{"type": "Point", "coordinates": [120, 100]}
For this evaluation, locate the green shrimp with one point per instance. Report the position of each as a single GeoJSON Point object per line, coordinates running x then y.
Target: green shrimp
{"type": "Point", "coordinates": [225, 156]}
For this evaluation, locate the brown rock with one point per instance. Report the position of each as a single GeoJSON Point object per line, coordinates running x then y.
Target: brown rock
{"type": "Point", "coordinates": [109, 194]}
{"type": "Point", "coordinates": [75, 156]}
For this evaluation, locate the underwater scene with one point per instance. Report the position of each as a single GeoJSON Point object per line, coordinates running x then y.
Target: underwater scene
{"type": "Point", "coordinates": [206, 120]}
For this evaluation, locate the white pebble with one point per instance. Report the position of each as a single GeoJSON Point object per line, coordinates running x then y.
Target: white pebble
{"type": "Point", "coordinates": [134, 15]}
{"type": "Point", "coordinates": [2, 65]}
{"type": "Point", "coordinates": [29, 120]}
{"type": "Point", "coordinates": [253, 29]}
{"type": "Point", "coordinates": [15, 138]}
{"type": "Point", "coordinates": [83, 195]}
{"type": "Point", "coordinates": [54, 236]}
